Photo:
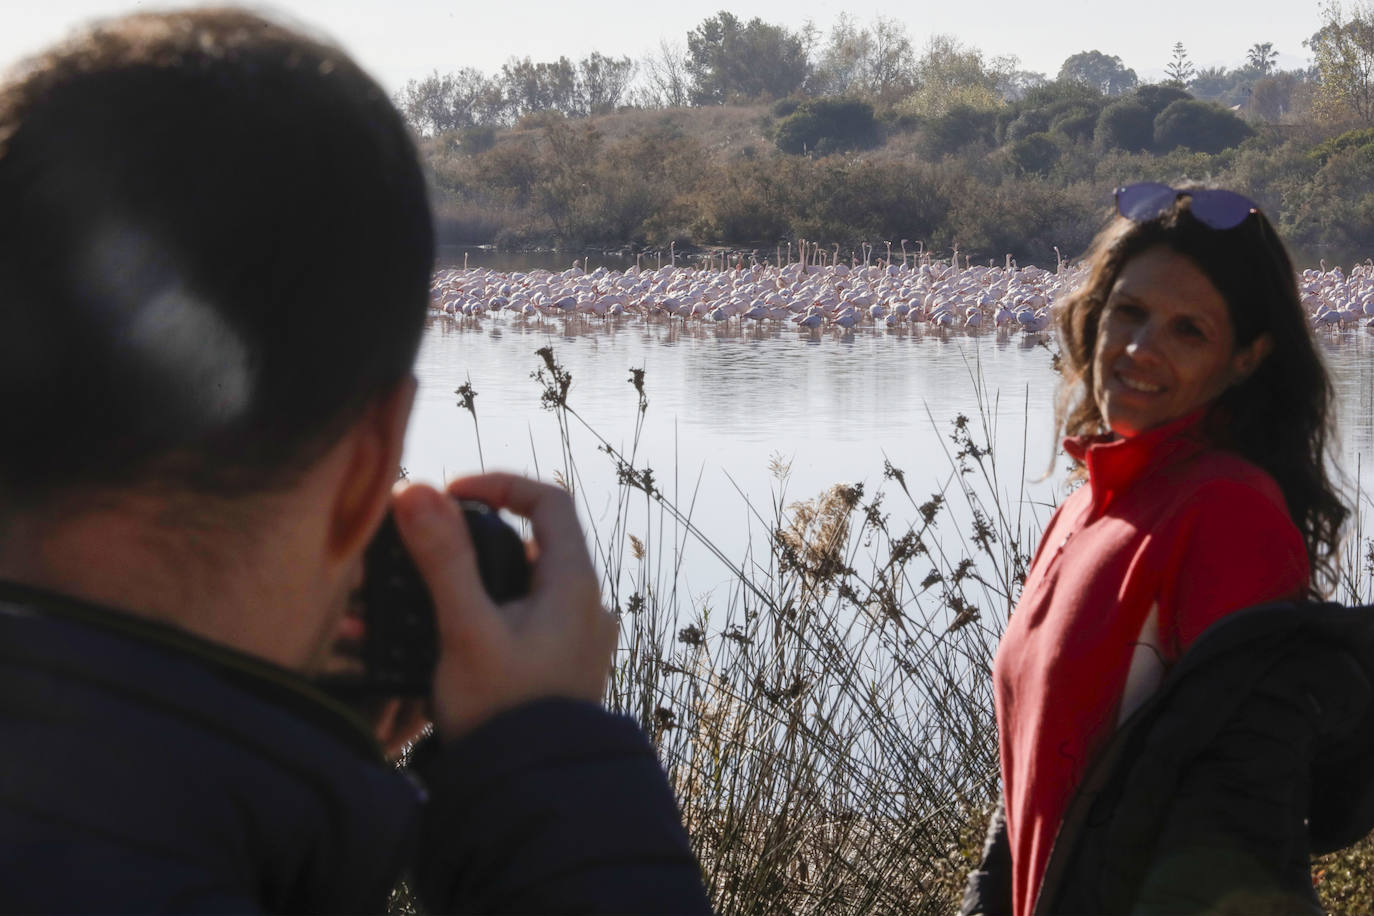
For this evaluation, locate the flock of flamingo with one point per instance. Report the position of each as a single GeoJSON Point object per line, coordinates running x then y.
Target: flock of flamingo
{"type": "Point", "coordinates": [939, 294]}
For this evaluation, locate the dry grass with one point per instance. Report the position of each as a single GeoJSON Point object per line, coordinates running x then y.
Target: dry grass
{"type": "Point", "coordinates": [724, 129]}
{"type": "Point", "coordinates": [827, 721]}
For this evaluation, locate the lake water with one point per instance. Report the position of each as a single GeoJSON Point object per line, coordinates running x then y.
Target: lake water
{"type": "Point", "coordinates": [727, 403]}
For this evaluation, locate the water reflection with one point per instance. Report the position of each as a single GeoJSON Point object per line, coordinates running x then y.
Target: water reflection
{"type": "Point", "coordinates": [724, 399]}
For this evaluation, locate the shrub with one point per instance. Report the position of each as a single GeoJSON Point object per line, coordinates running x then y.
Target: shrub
{"type": "Point", "coordinates": [960, 127]}
{"type": "Point", "coordinates": [1076, 123]}
{"type": "Point", "coordinates": [1157, 97]}
{"type": "Point", "coordinates": [477, 139]}
{"type": "Point", "coordinates": [1351, 139]}
{"type": "Point", "coordinates": [1125, 125]}
{"type": "Point", "coordinates": [1031, 121]}
{"type": "Point", "coordinates": [828, 125]}
{"type": "Point", "coordinates": [1061, 91]}
{"type": "Point", "coordinates": [1202, 126]}
{"type": "Point", "coordinates": [1035, 154]}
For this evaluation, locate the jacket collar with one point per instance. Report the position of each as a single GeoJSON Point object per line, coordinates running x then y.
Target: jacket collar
{"type": "Point", "coordinates": [268, 681]}
{"type": "Point", "coordinates": [1114, 464]}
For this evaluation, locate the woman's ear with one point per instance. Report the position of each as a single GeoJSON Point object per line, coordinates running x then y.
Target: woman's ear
{"type": "Point", "coordinates": [1249, 357]}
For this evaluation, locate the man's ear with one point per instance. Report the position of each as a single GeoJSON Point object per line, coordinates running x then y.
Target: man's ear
{"type": "Point", "coordinates": [374, 458]}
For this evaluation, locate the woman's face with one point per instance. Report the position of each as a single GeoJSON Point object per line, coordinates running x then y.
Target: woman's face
{"type": "Point", "coordinates": [1165, 345]}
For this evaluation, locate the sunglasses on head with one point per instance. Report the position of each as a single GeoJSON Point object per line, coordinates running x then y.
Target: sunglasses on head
{"type": "Point", "coordinates": [1214, 209]}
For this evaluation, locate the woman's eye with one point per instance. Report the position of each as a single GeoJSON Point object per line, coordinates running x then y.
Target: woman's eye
{"type": "Point", "coordinates": [1189, 329]}
{"type": "Point", "coordinates": [1127, 311]}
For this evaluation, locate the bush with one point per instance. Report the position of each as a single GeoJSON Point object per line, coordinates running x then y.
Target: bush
{"type": "Point", "coordinates": [1075, 124]}
{"type": "Point", "coordinates": [1159, 97]}
{"type": "Point", "coordinates": [1202, 126]}
{"type": "Point", "coordinates": [476, 139]}
{"type": "Point", "coordinates": [828, 125]}
{"type": "Point", "coordinates": [1125, 125]}
{"type": "Point", "coordinates": [959, 128]}
{"type": "Point", "coordinates": [1031, 121]}
{"type": "Point", "coordinates": [1062, 91]}
{"type": "Point", "coordinates": [1351, 139]}
{"type": "Point", "coordinates": [1035, 155]}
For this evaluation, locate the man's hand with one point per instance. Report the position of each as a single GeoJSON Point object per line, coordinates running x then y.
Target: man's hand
{"type": "Point", "coordinates": [555, 642]}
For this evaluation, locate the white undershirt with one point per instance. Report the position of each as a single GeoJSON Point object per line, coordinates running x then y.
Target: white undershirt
{"type": "Point", "coordinates": [1147, 667]}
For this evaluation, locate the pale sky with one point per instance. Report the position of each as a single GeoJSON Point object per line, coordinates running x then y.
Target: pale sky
{"type": "Point", "coordinates": [400, 40]}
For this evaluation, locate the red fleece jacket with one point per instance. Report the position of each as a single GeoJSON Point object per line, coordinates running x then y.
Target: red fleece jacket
{"type": "Point", "coordinates": [1163, 519]}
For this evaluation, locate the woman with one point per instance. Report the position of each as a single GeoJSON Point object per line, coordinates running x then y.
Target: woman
{"type": "Point", "coordinates": [1195, 406]}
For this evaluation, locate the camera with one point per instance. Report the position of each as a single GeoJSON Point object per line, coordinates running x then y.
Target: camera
{"type": "Point", "coordinates": [401, 647]}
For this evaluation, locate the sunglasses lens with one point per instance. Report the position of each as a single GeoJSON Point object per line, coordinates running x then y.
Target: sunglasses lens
{"type": "Point", "coordinates": [1144, 201]}
{"type": "Point", "coordinates": [1220, 209]}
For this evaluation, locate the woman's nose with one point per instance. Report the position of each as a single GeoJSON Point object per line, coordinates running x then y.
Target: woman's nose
{"type": "Point", "coordinates": [1143, 340]}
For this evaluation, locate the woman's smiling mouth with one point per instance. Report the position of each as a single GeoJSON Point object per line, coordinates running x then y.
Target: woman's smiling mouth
{"type": "Point", "coordinates": [1140, 385]}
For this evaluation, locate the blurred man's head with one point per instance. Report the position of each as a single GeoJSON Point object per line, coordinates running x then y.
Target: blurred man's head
{"type": "Point", "coordinates": [215, 248]}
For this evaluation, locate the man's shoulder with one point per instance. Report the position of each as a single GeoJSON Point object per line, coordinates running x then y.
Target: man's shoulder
{"type": "Point", "coordinates": [125, 754]}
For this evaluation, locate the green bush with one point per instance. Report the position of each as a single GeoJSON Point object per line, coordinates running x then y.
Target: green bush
{"type": "Point", "coordinates": [1351, 139]}
{"type": "Point", "coordinates": [1060, 92]}
{"type": "Point", "coordinates": [1202, 126]}
{"type": "Point", "coordinates": [1031, 121]}
{"type": "Point", "coordinates": [827, 125]}
{"type": "Point", "coordinates": [1035, 154]}
{"type": "Point", "coordinates": [1075, 123]}
{"type": "Point", "coordinates": [1157, 97]}
{"type": "Point", "coordinates": [961, 127]}
{"type": "Point", "coordinates": [1126, 125]}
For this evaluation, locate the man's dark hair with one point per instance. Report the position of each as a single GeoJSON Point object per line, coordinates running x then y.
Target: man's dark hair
{"type": "Point", "coordinates": [215, 249]}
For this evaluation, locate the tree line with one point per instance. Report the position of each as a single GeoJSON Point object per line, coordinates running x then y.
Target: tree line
{"type": "Point", "coordinates": [727, 60]}
{"type": "Point", "coordinates": [753, 132]}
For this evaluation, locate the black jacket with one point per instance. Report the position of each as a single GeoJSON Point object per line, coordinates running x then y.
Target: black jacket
{"type": "Point", "coordinates": [1255, 753]}
{"type": "Point", "coordinates": [145, 770]}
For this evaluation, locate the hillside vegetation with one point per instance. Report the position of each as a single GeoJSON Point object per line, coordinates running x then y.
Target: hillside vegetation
{"type": "Point", "coordinates": [749, 140]}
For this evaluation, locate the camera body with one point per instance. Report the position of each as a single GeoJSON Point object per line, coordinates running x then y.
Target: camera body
{"type": "Point", "coordinates": [401, 646]}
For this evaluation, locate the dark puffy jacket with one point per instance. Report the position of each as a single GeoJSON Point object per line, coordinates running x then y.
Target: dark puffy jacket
{"type": "Point", "coordinates": [145, 770]}
{"type": "Point", "coordinates": [1255, 753]}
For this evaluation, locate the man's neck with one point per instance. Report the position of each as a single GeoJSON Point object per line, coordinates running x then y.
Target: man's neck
{"type": "Point", "coordinates": [219, 584]}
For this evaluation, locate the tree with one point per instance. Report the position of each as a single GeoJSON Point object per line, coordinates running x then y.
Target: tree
{"type": "Point", "coordinates": [665, 73]}
{"type": "Point", "coordinates": [1272, 97]}
{"type": "Point", "coordinates": [1343, 51]}
{"type": "Point", "coordinates": [844, 60]}
{"type": "Point", "coordinates": [602, 81]}
{"type": "Point", "coordinates": [729, 60]}
{"type": "Point", "coordinates": [1105, 73]}
{"type": "Point", "coordinates": [531, 87]}
{"type": "Point", "coordinates": [1180, 69]}
{"type": "Point", "coordinates": [1213, 83]}
{"type": "Point", "coordinates": [873, 62]}
{"type": "Point", "coordinates": [453, 101]}
{"type": "Point", "coordinates": [1014, 84]}
{"type": "Point", "coordinates": [1201, 126]}
{"type": "Point", "coordinates": [1262, 57]}
{"type": "Point", "coordinates": [892, 62]}
{"type": "Point", "coordinates": [949, 76]}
